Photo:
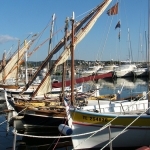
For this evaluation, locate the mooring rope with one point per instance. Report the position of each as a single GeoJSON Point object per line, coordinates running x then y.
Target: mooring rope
{"type": "Point", "coordinates": [125, 128]}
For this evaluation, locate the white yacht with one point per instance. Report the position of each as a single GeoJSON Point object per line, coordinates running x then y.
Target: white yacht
{"type": "Point", "coordinates": [91, 70]}
{"type": "Point", "coordinates": [125, 70]}
{"type": "Point", "coordinates": [107, 69]}
{"type": "Point", "coordinates": [140, 72]}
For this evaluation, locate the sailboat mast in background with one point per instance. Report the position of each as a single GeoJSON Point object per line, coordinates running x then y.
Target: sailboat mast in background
{"type": "Point", "coordinates": [148, 111]}
{"type": "Point", "coordinates": [72, 60]}
{"type": "Point", "coordinates": [50, 40]}
{"type": "Point", "coordinates": [64, 64]}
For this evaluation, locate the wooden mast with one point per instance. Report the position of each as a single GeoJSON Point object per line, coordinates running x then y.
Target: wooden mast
{"type": "Point", "coordinates": [72, 61]}
{"type": "Point", "coordinates": [64, 64]}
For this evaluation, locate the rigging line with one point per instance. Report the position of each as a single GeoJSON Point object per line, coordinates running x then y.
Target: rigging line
{"type": "Point", "coordinates": [125, 15]}
{"type": "Point", "coordinates": [41, 33]}
{"type": "Point", "coordinates": [106, 38]}
{"type": "Point", "coordinates": [108, 124]}
{"type": "Point", "coordinates": [84, 13]}
{"type": "Point", "coordinates": [35, 49]}
{"type": "Point", "coordinates": [61, 130]}
{"type": "Point", "coordinates": [104, 31]}
{"type": "Point", "coordinates": [16, 51]}
{"type": "Point", "coordinates": [99, 54]}
{"type": "Point", "coordinates": [125, 128]}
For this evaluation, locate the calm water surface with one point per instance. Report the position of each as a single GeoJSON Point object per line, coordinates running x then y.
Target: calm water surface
{"type": "Point", "coordinates": [128, 86]}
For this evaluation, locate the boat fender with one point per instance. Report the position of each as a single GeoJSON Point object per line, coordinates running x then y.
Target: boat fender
{"type": "Point", "coordinates": [144, 95]}
{"type": "Point", "coordinates": [64, 129]}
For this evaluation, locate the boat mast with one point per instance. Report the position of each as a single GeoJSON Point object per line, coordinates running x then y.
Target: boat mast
{"type": "Point", "coordinates": [64, 64]}
{"type": "Point", "coordinates": [148, 111]}
{"type": "Point", "coordinates": [50, 40]}
{"type": "Point", "coordinates": [26, 65]}
{"type": "Point", "coordinates": [72, 61]}
{"type": "Point", "coordinates": [18, 63]}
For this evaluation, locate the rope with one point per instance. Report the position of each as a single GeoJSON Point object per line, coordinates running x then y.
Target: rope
{"type": "Point", "coordinates": [67, 136]}
{"type": "Point", "coordinates": [125, 128]}
{"type": "Point", "coordinates": [34, 136]}
{"type": "Point", "coordinates": [105, 126]}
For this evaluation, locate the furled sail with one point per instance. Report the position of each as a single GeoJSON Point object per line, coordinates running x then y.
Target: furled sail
{"type": "Point", "coordinates": [3, 64]}
{"type": "Point", "coordinates": [46, 87]}
{"type": "Point", "coordinates": [10, 71]}
{"type": "Point", "coordinates": [79, 36]}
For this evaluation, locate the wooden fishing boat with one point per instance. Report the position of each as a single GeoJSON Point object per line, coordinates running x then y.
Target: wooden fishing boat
{"type": "Point", "coordinates": [124, 123]}
{"type": "Point", "coordinates": [52, 112]}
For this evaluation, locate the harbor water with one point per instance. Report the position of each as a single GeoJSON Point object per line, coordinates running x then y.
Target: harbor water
{"type": "Point", "coordinates": [127, 87]}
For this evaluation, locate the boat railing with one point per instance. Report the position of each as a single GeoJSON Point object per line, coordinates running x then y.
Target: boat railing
{"type": "Point", "coordinates": [124, 109]}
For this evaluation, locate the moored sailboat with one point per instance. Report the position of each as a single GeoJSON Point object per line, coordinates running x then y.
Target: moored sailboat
{"type": "Point", "coordinates": [45, 107]}
{"type": "Point", "coordinates": [114, 124]}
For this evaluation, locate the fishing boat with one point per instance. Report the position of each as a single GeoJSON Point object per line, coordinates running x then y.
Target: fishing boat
{"type": "Point", "coordinates": [112, 124]}
{"type": "Point", "coordinates": [45, 106]}
{"type": "Point", "coordinates": [95, 126]}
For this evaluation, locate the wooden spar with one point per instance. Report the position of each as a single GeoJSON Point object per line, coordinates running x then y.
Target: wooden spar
{"type": "Point", "coordinates": [64, 64]}
{"type": "Point", "coordinates": [26, 67]}
{"type": "Point", "coordinates": [72, 61]}
{"type": "Point", "coordinates": [61, 44]}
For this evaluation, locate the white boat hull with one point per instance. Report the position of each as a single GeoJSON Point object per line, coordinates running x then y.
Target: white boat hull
{"type": "Point", "coordinates": [123, 73]}
{"type": "Point", "coordinates": [140, 72]}
{"type": "Point", "coordinates": [132, 137]}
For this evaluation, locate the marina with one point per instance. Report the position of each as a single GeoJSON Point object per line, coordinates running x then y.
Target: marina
{"type": "Point", "coordinates": [131, 86]}
{"type": "Point", "coordinates": [62, 101]}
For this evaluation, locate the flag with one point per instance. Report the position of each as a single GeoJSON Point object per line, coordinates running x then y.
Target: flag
{"type": "Point", "coordinates": [113, 10]}
{"type": "Point", "coordinates": [119, 36]}
{"type": "Point", "coordinates": [118, 25]}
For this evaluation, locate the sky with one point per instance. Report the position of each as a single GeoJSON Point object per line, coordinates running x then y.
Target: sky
{"type": "Point", "coordinates": [21, 18]}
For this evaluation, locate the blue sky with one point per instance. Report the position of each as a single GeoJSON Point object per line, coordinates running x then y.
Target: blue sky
{"type": "Point", "coordinates": [19, 18]}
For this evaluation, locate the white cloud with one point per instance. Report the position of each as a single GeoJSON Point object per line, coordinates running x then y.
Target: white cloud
{"type": "Point", "coordinates": [7, 38]}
